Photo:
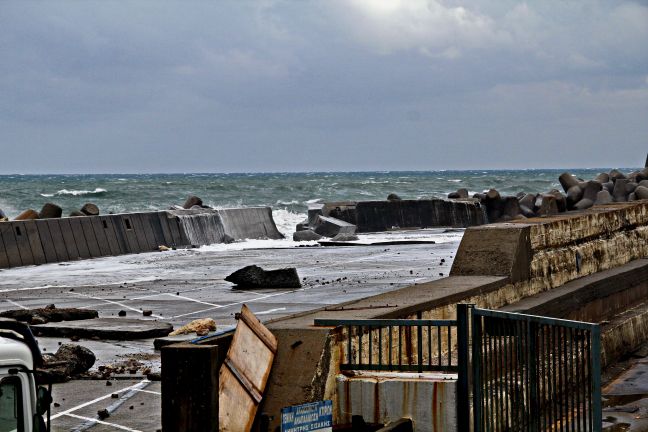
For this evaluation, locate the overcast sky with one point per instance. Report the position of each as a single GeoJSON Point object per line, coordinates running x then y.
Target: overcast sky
{"type": "Point", "coordinates": [239, 86]}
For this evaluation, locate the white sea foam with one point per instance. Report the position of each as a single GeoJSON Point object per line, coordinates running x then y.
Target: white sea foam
{"type": "Point", "coordinates": [62, 192]}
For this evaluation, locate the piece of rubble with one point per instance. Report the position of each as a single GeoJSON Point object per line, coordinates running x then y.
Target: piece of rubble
{"type": "Point", "coordinates": [105, 328]}
{"type": "Point", "coordinates": [49, 314]}
{"type": "Point", "coordinates": [345, 237]}
{"type": "Point", "coordinates": [306, 235]}
{"type": "Point", "coordinates": [255, 277]}
{"type": "Point", "coordinates": [200, 326]}
{"type": "Point", "coordinates": [68, 362]}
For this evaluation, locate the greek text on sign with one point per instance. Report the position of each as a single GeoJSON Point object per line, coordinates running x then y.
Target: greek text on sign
{"type": "Point", "coordinates": [312, 417]}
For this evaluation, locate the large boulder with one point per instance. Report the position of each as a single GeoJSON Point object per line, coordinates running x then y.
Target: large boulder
{"type": "Point", "coordinates": [548, 205]}
{"type": "Point", "coordinates": [255, 277]}
{"type": "Point", "coordinates": [641, 192]}
{"type": "Point", "coordinates": [591, 189]}
{"type": "Point", "coordinates": [69, 361]}
{"type": "Point", "coordinates": [619, 191]}
{"type": "Point", "coordinates": [393, 197]}
{"type": "Point", "coordinates": [345, 237]}
{"type": "Point", "coordinates": [603, 197]}
{"type": "Point", "coordinates": [90, 209]}
{"type": "Point", "coordinates": [3, 216]}
{"type": "Point", "coordinates": [459, 194]}
{"type": "Point", "coordinates": [602, 178]}
{"type": "Point", "coordinates": [583, 204]}
{"type": "Point", "coordinates": [192, 201]}
{"type": "Point", "coordinates": [28, 214]}
{"type": "Point", "coordinates": [50, 211]}
{"type": "Point", "coordinates": [567, 181]}
{"type": "Point", "coordinates": [616, 175]}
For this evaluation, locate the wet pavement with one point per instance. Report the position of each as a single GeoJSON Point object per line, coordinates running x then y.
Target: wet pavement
{"type": "Point", "coordinates": [179, 286]}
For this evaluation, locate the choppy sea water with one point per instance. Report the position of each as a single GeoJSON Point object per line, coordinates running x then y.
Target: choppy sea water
{"type": "Point", "coordinates": [289, 194]}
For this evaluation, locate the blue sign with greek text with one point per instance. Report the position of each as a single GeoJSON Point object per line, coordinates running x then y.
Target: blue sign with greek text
{"type": "Point", "coordinates": [312, 417]}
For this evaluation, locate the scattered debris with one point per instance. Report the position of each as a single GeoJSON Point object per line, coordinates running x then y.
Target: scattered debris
{"type": "Point", "coordinates": [163, 248]}
{"type": "Point", "coordinates": [121, 313]}
{"type": "Point", "coordinates": [49, 314]}
{"type": "Point", "coordinates": [103, 414]}
{"type": "Point", "coordinates": [200, 326]}
{"type": "Point", "coordinates": [255, 277]}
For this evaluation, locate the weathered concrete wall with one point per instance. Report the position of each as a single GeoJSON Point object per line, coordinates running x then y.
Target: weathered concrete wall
{"type": "Point", "coordinates": [428, 399]}
{"type": "Point", "coordinates": [56, 240]}
{"type": "Point", "coordinates": [545, 253]}
{"type": "Point", "coordinates": [373, 216]}
{"type": "Point", "coordinates": [496, 265]}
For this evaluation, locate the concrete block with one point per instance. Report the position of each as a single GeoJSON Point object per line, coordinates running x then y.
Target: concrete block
{"type": "Point", "coordinates": [22, 240]}
{"type": "Point", "coordinates": [106, 224]}
{"type": "Point", "coordinates": [190, 388]}
{"type": "Point", "coordinates": [58, 240]}
{"type": "Point", "coordinates": [35, 243]}
{"type": "Point", "coordinates": [100, 235]}
{"type": "Point", "coordinates": [11, 247]}
{"type": "Point", "coordinates": [156, 228]}
{"type": "Point", "coordinates": [4, 259]}
{"type": "Point", "coordinates": [166, 230]}
{"type": "Point", "coordinates": [140, 235]}
{"type": "Point", "coordinates": [330, 227]}
{"type": "Point", "coordinates": [47, 243]}
{"type": "Point", "coordinates": [68, 239]}
{"type": "Point", "coordinates": [90, 237]}
{"type": "Point", "coordinates": [143, 220]}
{"type": "Point", "coordinates": [428, 399]}
{"type": "Point", "coordinates": [120, 233]}
{"type": "Point", "coordinates": [79, 237]}
{"type": "Point", "coordinates": [128, 227]}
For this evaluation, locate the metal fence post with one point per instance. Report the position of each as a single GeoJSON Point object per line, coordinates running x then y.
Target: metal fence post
{"type": "Point", "coordinates": [597, 415]}
{"type": "Point", "coordinates": [463, 359]}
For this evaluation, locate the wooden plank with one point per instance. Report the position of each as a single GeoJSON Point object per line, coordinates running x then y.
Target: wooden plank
{"type": "Point", "coordinates": [100, 234]}
{"type": "Point", "coordinates": [22, 240]}
{"type": "Point", "coordinates": [166, 231]}
{"type": "Point", "coordinates": [4, 259]}
{"type": "Point", "coordinates": [57, 238]}
{"type": "Point", "coordinates": [131, 237]}
{"type": "Point", "coordinates": [91, 239]}
{"type": "Point", "coordinates": [79, 237]}
{"type": "Point", "coordinates": [11, 247]}
{"type": "Point", "coordinates": [35, 243]}
{"type": "Point", "coordinates": [68, 239]}
{"type": "Point", "coordinates": [245, 372]}
{"type": "Point", "coordinates": [111, 236]}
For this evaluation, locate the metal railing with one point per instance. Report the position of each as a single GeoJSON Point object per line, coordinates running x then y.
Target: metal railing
{"type": "Point", "coordinates": [534, 373]}
{"type": "Point", "coordinates": [414, 345]}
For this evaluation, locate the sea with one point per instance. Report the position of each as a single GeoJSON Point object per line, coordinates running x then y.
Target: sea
{"type": "Point", "coordinates": [289, 194]}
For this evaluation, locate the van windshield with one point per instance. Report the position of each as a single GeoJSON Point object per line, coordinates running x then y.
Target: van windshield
{"type": "Point", "coordinates": [11, 407]}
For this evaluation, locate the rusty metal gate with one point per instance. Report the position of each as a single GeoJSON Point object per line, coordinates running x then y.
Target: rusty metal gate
{"type": "Point", "coordinates": [534, 373]}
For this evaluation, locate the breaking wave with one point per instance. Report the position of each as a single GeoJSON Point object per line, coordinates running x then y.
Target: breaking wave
{"type": "Point", "coordinates": [64, 192]}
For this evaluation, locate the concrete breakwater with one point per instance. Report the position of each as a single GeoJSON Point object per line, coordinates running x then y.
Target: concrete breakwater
{"type": "Point", "coordinates": [40, 241]}
{"type": "Point", "coordinates": [375, 216]}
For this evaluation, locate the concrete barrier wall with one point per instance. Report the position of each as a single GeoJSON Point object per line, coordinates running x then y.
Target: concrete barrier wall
{"type": "Point", "coordinates": [42, 241]}
{"type": "Point", "coordinates": [376, 216]}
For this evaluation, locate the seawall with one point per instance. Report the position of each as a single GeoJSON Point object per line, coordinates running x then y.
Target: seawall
{"type": "Point", "coordinates": [375, 216]}
{"type": "Point", "coordinates": [496, 265]}
{"type": "Point", "coordinates": [41, 241]}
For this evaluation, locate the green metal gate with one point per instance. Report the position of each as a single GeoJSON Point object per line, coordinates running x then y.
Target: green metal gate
{"type": "Point", "coordinates": [534, 373]}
